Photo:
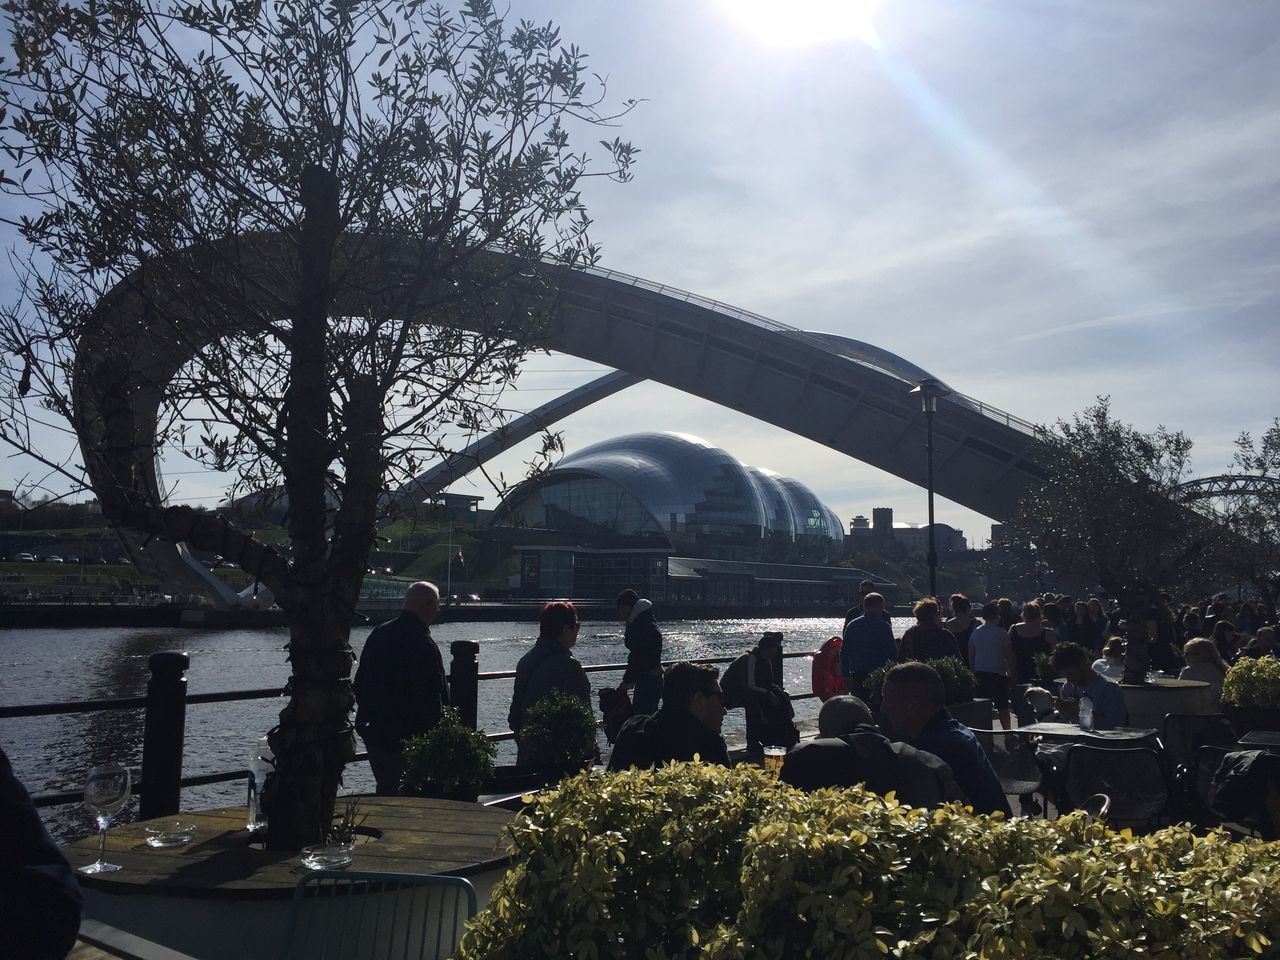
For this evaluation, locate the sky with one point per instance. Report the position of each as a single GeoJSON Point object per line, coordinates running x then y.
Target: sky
{"type": "Point", "coordinates": [1039, 202]}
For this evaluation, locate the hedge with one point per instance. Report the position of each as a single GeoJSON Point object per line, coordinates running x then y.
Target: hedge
{"type": "Point", "coordinates": [699, 861]}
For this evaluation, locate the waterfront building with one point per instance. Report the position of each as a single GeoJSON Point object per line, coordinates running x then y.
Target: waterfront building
{"type": "Point", "coordinates": [679, 519]}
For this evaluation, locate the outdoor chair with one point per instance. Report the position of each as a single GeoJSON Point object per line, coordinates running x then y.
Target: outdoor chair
{"type": "Point", "coordinates": [1134, 779]}
{"type": "Point", "coordinates": [347, 915]}
{"type": "Point", "coordinates": [1183, 736]}
{"type": "Point", "coordinates": [1013, 756]}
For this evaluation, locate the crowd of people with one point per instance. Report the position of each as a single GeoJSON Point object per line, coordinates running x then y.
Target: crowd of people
{"type": "Point", "coordinates": [914, 747]}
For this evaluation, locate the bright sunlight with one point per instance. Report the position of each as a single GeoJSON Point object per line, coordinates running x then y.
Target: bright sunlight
{"type": "Point", "coordinates": [807, 22]}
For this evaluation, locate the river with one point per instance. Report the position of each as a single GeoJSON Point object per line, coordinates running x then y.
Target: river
{"type": "Point", "coordinates": [53, 753]}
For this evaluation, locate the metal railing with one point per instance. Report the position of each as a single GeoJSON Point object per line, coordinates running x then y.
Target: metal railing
{"type": "Point", "coordinates": [160, 782]}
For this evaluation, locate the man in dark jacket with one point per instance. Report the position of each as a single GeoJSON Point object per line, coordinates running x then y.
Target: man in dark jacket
{"type": "Point", "coordinates": [849, 750]}
{"type": "Point", "coordinates": [688, 724]}
{"type": "Point", "coordinates": [913, 708]}
{"type": "Point", "coordinates": [644, 651]}
{"type": "Point", "coordinates": [548, 666]}
{"type": "Point", "coordinates": [400, 684]}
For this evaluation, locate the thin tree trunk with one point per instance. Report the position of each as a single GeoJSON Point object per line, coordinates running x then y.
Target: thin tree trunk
{"type": "Point", "coordinates": [314, 740]}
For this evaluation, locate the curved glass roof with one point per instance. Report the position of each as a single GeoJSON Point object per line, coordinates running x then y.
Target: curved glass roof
{"type": "Point", "coordinates": [695, 495]}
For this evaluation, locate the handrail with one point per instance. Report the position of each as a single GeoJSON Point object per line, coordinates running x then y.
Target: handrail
{"type": "Point", "coordinates": [62, 797]}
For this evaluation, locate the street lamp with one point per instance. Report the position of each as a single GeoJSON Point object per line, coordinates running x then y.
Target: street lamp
{"type": "Point", "coordinates": [929, 390]}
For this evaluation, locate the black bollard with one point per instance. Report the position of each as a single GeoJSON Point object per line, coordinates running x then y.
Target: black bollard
{"type": "Point", "coordinates": [163, 732]}
{"type": "Point", "coordinates": [464, 673]}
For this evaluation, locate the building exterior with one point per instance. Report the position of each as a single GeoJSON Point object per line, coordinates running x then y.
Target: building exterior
{"type": "Point", "coordinates": [677, 518]}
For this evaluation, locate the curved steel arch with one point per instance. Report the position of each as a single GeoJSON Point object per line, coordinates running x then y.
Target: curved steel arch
{"type": "Point", "coordinates": [1230, 484]}
{"type": "Point", "coordinates": [841, 393]}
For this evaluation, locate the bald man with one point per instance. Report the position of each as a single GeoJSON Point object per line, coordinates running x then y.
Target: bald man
{"type": "Point", "coordinates": [400, 684]}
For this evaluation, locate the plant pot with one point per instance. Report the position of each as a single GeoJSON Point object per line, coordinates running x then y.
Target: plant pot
{"type": "Point", "coordinates": [1249, 718]}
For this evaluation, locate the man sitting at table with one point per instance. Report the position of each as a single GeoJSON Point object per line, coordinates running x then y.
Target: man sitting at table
{"type": "Point", "coordinates": [1109, 710]}
{"type": "Point", "coordinates": [687, 725]}
{"type": "Point", "coordinates": [849, 750]}
{"type": "Point", "coordinates": [913, 705]}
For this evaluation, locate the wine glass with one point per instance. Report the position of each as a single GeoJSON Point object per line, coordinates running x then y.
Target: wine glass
{"type": "Point", "coordinates": [106, 791]}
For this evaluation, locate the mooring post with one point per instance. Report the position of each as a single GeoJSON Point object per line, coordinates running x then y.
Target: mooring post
{"type": "Point", "coordinates": [464, 682]}
{"type": "Point", "coordinates": [163, 732]}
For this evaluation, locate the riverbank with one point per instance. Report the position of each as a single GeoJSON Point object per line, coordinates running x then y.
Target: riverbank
{"type": "Point", "coordinates": [71, 615]}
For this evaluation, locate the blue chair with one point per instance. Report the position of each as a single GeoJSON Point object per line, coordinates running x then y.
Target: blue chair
{"type": "Point", "coordinates": [346, 915]}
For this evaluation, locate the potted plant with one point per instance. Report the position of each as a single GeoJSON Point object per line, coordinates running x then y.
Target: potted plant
{"type": "Point", "coordinates": [1251, 694]}
{"type": "Point", "coordinates": [558, 736]}
{"type": "Point", "coordinates": [450, 761]}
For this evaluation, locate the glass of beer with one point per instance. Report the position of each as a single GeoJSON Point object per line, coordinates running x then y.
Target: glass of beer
{"type": "Point", "coordinates": [773, 757]}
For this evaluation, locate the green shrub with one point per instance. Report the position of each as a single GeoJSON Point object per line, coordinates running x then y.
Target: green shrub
{"type": "Point", "coordinates": [699, 861]}
{"type": "Point", "coordinates": [1253, 682]}
{"type": "Point", "coordinates": [1045, 671]}
{"type": "Point", "coordinates": [558, 733]}
{"type": "Point", "coordinates": [449, 756]}
{"type": "Point", "coordinates": [957, 681]}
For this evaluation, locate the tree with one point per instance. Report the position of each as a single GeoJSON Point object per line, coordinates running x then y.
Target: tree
{"type": "Point", "coordinates": [1110, 510]}
{"type": "Point", "coordinates": [1252, 509]}
{"type": "Point", "coordinates": [322, 233]}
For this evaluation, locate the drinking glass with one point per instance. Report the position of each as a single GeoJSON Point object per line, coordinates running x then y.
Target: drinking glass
{"type": "Point", "coordinates": [106, 791]}
{"type": "Point", "coordinates": [773, 758]}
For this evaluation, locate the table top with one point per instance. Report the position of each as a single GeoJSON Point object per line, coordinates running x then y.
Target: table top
{"type": "Point", "coordinates": [1261, 738]}
{"type": "Point", "coordinates": [1166, 683]}
{"type": "Point", "coordinates": [1071, 731]}
{"type": "Point", "coordinates": [410, 835]}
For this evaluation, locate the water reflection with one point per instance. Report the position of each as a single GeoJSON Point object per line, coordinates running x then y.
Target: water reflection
{"type": "Point", "coordinates": [53, 753]}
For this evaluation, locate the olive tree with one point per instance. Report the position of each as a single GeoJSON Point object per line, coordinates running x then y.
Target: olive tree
{"type": "Point", "coordinates": [1110, 509]}
{"type": "Point", "coordinates": [322, 234]}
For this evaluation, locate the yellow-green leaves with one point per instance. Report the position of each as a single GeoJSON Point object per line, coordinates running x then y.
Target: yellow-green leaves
{"type": "Point", "coordinates": [698, 861]}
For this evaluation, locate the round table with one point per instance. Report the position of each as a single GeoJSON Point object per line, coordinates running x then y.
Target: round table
{"type": "Point", "coordinates": [221, 895]}
{"type": "Point", "coordinates": [1148, 703]}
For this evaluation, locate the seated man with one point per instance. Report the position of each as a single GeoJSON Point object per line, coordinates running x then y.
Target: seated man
{"type": "Point", "coordinates": [1107, 698]}
{"type": "Point", "coordinates": [913, 705]}
{"type": "Point", "coordinates": [687, 724]}
{"type": "Point", "coordinates": [850, 750]}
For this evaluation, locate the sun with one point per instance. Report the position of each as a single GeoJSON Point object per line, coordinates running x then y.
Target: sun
{"type": "Point", "coordinates": [802, 23]}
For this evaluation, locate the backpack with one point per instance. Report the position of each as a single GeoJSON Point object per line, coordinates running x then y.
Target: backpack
{"type": "Point", "coordinates": [734, 683]}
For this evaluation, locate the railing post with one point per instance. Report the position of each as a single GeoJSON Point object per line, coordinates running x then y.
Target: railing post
{"type": "Point", "coordinates": [464, 683]}
{"type": "Point", "coordinates": [164, 729]}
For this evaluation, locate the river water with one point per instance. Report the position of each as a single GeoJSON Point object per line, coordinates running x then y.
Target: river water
{"type": "Point", "coordinates": [53, 753]}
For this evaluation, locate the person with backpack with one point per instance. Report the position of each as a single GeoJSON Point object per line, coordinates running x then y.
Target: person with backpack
{"type": "Point", "coordinates": [754, 682]}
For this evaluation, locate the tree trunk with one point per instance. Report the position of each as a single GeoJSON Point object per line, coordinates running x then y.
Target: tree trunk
{"type": "Point", "coordinates": [314, 740]}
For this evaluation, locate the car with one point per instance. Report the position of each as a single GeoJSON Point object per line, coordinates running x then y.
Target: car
{"type": "Point", "coordinates": [53, 559]}
{"type": "Point", "coordinates": [25, 558]}
{"type": "Point", "coordinates": [71, 559]}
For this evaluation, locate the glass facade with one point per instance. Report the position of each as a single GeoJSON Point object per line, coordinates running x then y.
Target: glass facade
{"type": "Point", "coordinates": [681, 491]}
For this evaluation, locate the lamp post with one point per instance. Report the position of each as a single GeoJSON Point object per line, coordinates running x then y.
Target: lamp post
{"type": "Point", "coordinates": [929, 390]}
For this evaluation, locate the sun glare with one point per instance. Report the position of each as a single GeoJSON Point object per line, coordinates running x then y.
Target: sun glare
{"type": "Point", "coordinates": [803, 23]}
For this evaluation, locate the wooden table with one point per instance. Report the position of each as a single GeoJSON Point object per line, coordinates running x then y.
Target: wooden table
{"type": "Point", "coordinates": [1118, 736]}
{"type": "Point", "coordinates": [222, 896]}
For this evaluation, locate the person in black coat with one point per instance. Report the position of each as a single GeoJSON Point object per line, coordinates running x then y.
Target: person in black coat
{"type": "Point", "coordinates": [688, 724]}
{"type": "Point", "coordinates": [548, 666]}
{"type": "Point", "coordinates": [644, 651]}
{"type": "Point", "coordinates": [849, 750]}
{"type": "Point", "coordinates": [400, 684]}
{"type": "Point", "coordinates": [42, 901]}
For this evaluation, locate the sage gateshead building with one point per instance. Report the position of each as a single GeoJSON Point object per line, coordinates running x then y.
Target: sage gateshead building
{"type": "Point", "coordinates": [678, 519]}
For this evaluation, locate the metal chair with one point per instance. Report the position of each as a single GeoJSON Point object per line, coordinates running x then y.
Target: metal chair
{"type": "Point", "coordinates": [1134, 780]}
{"type": "Point", "coordinates": [1183, 734]}
{"type": "Point", "coordinates": [1013, 756]}
{"type": "Point", "coordinates": [1098, 806]}
{"type": "Point", "coordinates": [346, 915]}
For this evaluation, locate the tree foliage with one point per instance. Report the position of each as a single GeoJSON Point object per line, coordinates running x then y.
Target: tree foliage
{"type": "Point", "coordinates": [1110, 510]}
{"type": "Point", "coordinates": [1255, 515]}
{"type": "Point", "coordinates": [285, 219]}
